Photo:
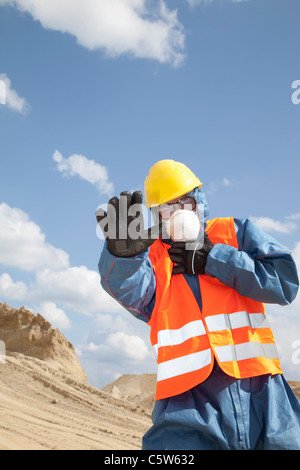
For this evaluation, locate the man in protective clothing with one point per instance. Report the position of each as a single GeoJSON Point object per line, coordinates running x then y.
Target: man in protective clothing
{"type": "Point", "coordinates": [219, 380]}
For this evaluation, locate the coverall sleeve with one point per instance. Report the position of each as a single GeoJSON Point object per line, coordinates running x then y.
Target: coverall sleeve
{"type": "Point", "coordinates": [261, 268]}
{"type": "Point", "coordinates": [130, 281]}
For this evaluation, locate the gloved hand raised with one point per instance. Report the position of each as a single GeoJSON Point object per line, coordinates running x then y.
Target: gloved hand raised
{"type": "Point", "coordinates": [123, 225]}
{"type": "Point", "coordinates": [190, 261]}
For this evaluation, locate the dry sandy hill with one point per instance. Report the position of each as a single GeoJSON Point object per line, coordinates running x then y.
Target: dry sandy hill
{"type": "Point", "coordinates": [25, 333]}
{"type": "Point", "coordinates": [46, 402]}
{"type": "Point", "coordinates": [139, 390]}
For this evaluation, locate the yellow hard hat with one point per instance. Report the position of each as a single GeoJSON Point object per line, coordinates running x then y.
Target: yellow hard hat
{"type": "Point", "coordinates": [168, 180]}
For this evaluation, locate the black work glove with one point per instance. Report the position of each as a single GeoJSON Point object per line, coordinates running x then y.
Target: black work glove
{"type": "Point", "coordinates": [123, 225]}
{"type": "Point", "coordinates": [191, 261]}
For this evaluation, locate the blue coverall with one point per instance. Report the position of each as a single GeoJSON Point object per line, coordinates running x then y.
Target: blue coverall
{"type": "Point", "coordinates": [222, 412]}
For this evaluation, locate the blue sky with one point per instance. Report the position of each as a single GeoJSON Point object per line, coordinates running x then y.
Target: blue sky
{"type": "Point", "coordinates": [98, 91]}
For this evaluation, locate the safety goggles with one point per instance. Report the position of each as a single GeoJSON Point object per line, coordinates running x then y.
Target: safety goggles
{"type": "Point", "coordinates": [167, 209]}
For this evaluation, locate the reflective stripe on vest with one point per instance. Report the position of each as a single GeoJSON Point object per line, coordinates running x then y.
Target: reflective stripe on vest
{"type": "Point", "coordinates": [236, 320]}
{"type": "Point", "coordinates": [185, 340]}
{"type": "Point", "coordinates": [214, 323]}
{"type": "Point", "coordinates": [183, 365]}
{"type": "Point", "coordinates": [240, 352]}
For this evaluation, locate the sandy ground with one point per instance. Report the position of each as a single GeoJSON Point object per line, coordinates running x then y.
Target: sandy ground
{"type": "Point", "coordinates": [42, 407]}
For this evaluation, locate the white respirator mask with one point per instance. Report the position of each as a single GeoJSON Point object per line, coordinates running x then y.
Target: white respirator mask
{"type": "Point", "coordinates": [183, 226]}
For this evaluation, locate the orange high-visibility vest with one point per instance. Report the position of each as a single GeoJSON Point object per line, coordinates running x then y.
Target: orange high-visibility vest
{"type": "Point", "coordinates": [230, 328]}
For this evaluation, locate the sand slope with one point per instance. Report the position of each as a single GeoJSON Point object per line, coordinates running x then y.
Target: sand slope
{"type": "Point", "coordinates": [42, 407]}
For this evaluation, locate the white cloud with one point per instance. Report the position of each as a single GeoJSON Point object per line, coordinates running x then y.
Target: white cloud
{"type": "Point", "coordinates": [56, 316]}
{"type": "Point", "coordinates": [270, 225]}
{"type": "Point", "coordinates": [140, 28]}
{"type": "Point", "coordinates": [294, 216]}
{"type": "Point", "coordinates": [214, 186]}
{"type": "Point", "coordinates": [76, 288]}
{"type": "Point", "coordinates": [11, 289]}
{"type": "Point", "coordinates": [2, 92]}
{"type": "Point", "coordinates": [24, 246]}
{"type": "Point", "coordinates": [108, 321]}
{"type": "Point", "coordinates": [9, 96]}
{"type": "Point", "coordinates": [226, 182]}
{"type": "Point", "coordinates": [115, 353]}
{"type": "Point", "coordinates": [126, 347]}
{"type": "Point", "coordinates": [88, 170]}
{"type": "Point", "coordinates": [132, 346]}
